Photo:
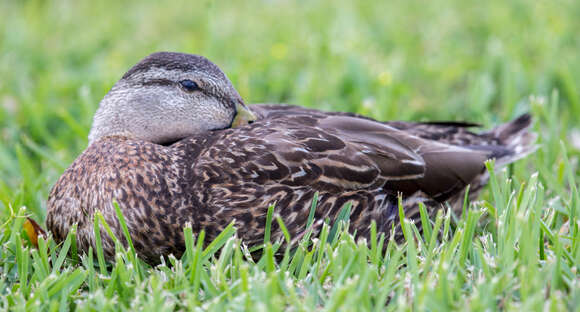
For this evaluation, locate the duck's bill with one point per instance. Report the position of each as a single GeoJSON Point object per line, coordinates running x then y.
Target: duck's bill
{"type": "Point", "coordinates": [243, 116]}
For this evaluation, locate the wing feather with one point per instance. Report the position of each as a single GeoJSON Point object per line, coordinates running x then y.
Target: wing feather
{"type": "Point", "coordinates": [405, 162]}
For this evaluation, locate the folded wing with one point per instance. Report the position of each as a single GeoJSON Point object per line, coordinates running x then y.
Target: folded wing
{"type": "Point", "coordinates": [354, 153]}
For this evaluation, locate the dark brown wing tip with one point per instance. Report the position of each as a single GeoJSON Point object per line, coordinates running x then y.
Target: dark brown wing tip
{"type": "Point", "coordinates": [516, 138]}
{"type": "Point", "coordinates": [460, 124]}
{"type": "Point", "coordinates": [512, 129]}
{"type": "Point", "coordinates": [523, 121]}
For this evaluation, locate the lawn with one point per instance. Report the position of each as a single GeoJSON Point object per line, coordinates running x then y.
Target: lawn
{"type": "Point", "coordinates": [483, 61]}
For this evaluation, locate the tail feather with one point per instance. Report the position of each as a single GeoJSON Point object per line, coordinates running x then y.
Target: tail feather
{"type": "Point", "coordinates": [508, 143]}
{"type": "Point", "coordinates": [515, 138]}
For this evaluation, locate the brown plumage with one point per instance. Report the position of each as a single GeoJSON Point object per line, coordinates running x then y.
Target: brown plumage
{"type": "Point", "coordinates": [211, 176]}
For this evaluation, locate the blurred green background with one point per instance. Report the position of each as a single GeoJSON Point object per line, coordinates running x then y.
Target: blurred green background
{"type": "Point", "coordinates": [445, 59]}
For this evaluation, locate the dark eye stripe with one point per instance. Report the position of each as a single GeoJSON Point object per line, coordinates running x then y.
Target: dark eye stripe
{"type": "Point", "coordinates": [159, 82]}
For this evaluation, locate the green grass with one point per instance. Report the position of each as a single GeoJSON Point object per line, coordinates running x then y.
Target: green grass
{"type": "Point", "coordinates": [485, 61]}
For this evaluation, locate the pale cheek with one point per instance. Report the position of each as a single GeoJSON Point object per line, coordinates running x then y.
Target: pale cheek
{"type": "Point", "coordinates": [213, 116]}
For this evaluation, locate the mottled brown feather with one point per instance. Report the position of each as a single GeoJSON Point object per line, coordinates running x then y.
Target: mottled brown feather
{"type": "Point", "coordinates": [285, 157]}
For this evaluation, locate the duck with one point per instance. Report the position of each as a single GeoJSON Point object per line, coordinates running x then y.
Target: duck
{"type": "Point", "coordinates": [173, 144]}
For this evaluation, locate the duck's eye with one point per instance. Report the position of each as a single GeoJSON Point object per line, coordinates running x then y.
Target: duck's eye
{"type": "Point", "coordinates": [189, 85]}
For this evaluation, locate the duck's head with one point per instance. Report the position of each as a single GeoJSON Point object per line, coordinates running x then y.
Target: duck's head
{"type": "Point", "coordinates": [169, 96]}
